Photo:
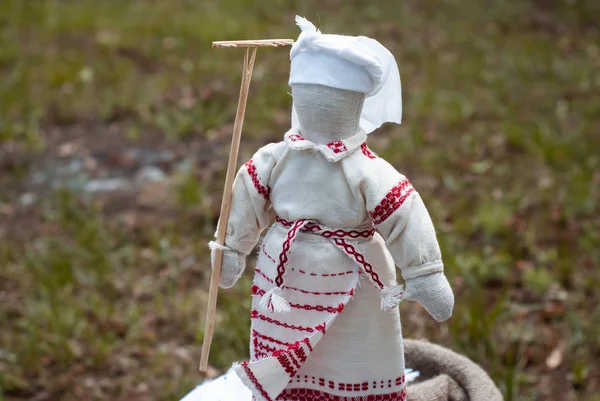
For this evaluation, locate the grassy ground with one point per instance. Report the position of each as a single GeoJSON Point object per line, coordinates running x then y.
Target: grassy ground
{"type": "Point", "coordinates": [102, 288]}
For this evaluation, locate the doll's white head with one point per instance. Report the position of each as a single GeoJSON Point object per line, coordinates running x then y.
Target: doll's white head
{"type": "Point", "coordinates": [336, 79]}
{"type": "Point", "coordinates": [327, 114]}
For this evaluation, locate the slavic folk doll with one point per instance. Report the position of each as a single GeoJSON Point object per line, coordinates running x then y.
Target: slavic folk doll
{"type": "Point", "coordinates": [325, 323]}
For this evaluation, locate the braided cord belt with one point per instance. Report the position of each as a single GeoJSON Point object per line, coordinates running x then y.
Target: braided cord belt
{"type": "Point", "coordinates": [338, 237]}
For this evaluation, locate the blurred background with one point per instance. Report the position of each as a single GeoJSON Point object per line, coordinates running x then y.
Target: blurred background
{"type": "Point", "coordinates": [115, 122]}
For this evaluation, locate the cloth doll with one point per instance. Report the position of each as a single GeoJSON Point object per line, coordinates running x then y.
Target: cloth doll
{"type": "Point", "coordinates": [324, 320]}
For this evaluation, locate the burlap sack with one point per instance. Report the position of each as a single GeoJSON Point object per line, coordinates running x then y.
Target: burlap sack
{"type": "Point", "coordinates": [446, 375]}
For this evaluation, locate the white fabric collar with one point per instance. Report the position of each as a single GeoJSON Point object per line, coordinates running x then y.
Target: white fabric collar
{"type": "Point", "coordinates": [333, 151]}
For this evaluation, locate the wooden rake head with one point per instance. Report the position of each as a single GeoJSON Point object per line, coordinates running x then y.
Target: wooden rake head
{"type": "Point", "coordinates": [254, 44]}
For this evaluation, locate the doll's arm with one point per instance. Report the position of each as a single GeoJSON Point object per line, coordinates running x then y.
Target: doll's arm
{"type": "Point", "coordinates": [403, 221]}
{"type": "Point", "coordinates": [410, 237]}
{"type": "Point", "coordinates": [249, 214]}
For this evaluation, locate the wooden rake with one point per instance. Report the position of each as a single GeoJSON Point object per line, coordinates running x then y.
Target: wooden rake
{"type": "Point", "coordinates": [231, 171]}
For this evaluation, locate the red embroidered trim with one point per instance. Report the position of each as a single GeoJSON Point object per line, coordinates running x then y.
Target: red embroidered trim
{"type": "Point", "coordinates": [255, 347]}
{"type": "Point", "coordinates": [337, 147]}
{"type": "Point", "coordinates": [303, 272]}
{"type": "Point", "coordinates": [283, 256]}
{"type": "Point", "coordinates": [303, 394]}
{"type": "Point", "coordinates": [265, 252]}
{"type": "Point", "coordinates": [324, 274]}
{"type": "Point", "coordinates": [367, 152]}
{"type": "Point", "coordinates": [332, 274]}
{"type": "Point", "coordinates": [255, 315]}
{"type": "Point", "coordinates": [260, 354]}
{"type": "Point", "coordinates": [256, 290]}
{"type": "Point", "coordinates": [260, 348]}
{"type": "Point", "coordinates": [296, 137]}
{"type": "Point", "coordinates": [350, 293]}
{"type": "Point", "coordinates": [255, 381]}
{"type": "Point", "coordinates": [270, 339]}
{"type": "Point", "coordinates": [350, 250]}
{"type": "Point", "coordinates": [270, 280]}
{"type": "Point", "coordinates": [264, 191]}
{"type": "Point", "coordinates": [320, 308]}
{"type": "Point", "coordinates": [292, 357]}
{"type": "Point", "coordinates": [392, 201]}
{"type": "Point", "coordinates": [363, 386]}
{"type": "Point", "coordinates": [264, 347]}
{"type": "Point", "coordinates": [306, 341]}
{"type": "Point", "coordinates": [300, 354]}
{"type": "Point", "coordinates": [286, 365]}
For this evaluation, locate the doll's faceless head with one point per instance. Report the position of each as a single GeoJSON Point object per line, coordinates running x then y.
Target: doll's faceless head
{"type": "Point", "coordinates": [327, 114]}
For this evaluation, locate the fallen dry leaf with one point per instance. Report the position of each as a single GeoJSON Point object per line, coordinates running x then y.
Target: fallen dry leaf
{"type": "Point", "coordinates": [553, 310]}
{"type": "Point", "coordinates": [66, 149]}
{"type": "Point", "coordinates": [555, 357]}
{"type": "Point", "coordinates": [6, 209]}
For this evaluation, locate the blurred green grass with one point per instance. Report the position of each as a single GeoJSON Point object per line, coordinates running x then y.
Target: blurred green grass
{"type": "Point", "coordinates": [102, 298]}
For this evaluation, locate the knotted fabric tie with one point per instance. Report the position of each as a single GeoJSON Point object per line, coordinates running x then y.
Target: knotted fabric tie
{"type": "Point", "coordinates": [273, 301]}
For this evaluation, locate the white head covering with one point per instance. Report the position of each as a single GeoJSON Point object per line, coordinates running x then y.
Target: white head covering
{"type": "Point", "coordinates": [355, 63]}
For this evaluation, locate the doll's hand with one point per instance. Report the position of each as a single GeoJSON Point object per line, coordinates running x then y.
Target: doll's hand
{"type": "Point", "coordinates": [433, 292]}
{"type": "Point", "coordinates": [233, 265]}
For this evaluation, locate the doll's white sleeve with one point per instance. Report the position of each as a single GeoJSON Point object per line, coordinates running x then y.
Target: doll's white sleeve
{"type": "Point", "coordinates": [401, 218]}
{"type": "Point", "coordinates": [250, 203]}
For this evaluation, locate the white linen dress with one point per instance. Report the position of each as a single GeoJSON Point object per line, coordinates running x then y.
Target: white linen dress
{"type": "Point", "coordinates": [344, 219]}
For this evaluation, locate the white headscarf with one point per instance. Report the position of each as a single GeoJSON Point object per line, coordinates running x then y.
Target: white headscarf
{"type": "Point", "coordinates": [354, 63]}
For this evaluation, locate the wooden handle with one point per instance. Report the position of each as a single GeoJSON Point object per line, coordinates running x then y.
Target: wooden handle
{"type": "Point", "coordinates": [225, 208]}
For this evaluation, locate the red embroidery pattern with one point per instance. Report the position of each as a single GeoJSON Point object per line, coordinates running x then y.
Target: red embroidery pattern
{"type": "Point", "coordinates": [324, 274]}
{"type": "Point", "coordinates": [283, 256]}
{"type": "Point", "coordinates": [351, 251]}
{"type": "Point", "coordinates": [262, 190]}
{"type": "Point", "coordinates": [300, 354]}
{"type": "Point", "coordinates": [270, 339]}
{"type": "Point", "coordinates": [264, 347]}
{"type": "Point", "coordinates": [303, 394]}
{"type": "Point", "coordinates": [337, 147]}
{"type": "Point", "coordinates": [294, 355]}
{"type": "Point", "coordinates": [256, 290]}
{"type": "Point", "coordinates": [303, 272]}
{"type": "Point", "coordinates": [255, 381]}
{"type": "Point", "coordinates": [255, 315]}
{"type": "Point", "coordinates": [257, 270]}
{"type": "Point", "coordinates": [266, 254]}
{"type": "Point", "coordinates": [367, 152]}
{"type": "Point", "coordinates": [256, 348]}
{"type": "Point", "coordinates": [296, 137]}
{"type": "Point", "coordinates": [364, 386]}
{"type": "Point", "coordinates": [351, 292]}
{"type": "Point", "coordinates": [320, 308]}
{"type": "Point", "coordinates": [260, 354]}
{"type": "Point", "coordinates": [392, 201]}
{"type": "Point", "coordinates": [286, 365]}
{"type": "Point", "coordinates": [270, 280]}
{"type": "Point", "coordinates": [307, 342]}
